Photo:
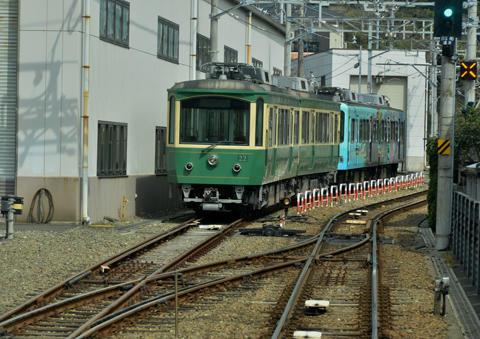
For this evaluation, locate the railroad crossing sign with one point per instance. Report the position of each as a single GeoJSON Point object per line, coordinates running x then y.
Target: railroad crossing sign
{"type": "Point", "coordinates": [444, 146]}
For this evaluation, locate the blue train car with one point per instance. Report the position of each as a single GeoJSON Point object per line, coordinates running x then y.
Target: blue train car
{"type": "Point", "coordinates": [372, 138]}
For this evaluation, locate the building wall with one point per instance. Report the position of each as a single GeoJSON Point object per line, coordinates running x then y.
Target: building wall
{"type": "Point", "coordinates": [338, 68]}
{"type": "Point", "coordinates": [127, 85]}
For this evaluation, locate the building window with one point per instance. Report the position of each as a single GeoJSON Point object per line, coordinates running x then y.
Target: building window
{"type": "Point", "coordinates": [167, 46]}
{"type": "Point", "coordinates": [257, 63]}
{"type": "Point", "coordinates": [277, 72]}
{"type": "Point", "coordinates": [203, 52]}
{"type": "Point", "coordinates": [160, 144]}
{"type": "Point", "coordinates": [230, 55]}
{"type": "Point", "coordinates": [114, 21]}
{"type": "Point", "coordinates": [112, 149]}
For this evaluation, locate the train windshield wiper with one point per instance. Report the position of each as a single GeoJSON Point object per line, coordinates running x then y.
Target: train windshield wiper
{"type": "Point", "coordinates": [215, 144]}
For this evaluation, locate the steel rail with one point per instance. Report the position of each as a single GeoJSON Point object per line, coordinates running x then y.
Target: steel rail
{"type": "Point", "coordinates": [374, 319]}
{"type": "Point", "coordinates": [43, 298]}
{"type": "Point", "coordinates": [289, 308]}
{"type": "Point", "coordinates": [105, 323]}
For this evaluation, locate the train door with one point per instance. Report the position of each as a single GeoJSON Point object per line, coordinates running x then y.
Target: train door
{"type": "Point", "coordinates": [296, 139]}
{"type": "Point", "coordinates": [354, 141]}
{"type": "Point", "coordinates": [374, 141]}
{"type": "Point", "coordinates": [272, 135]}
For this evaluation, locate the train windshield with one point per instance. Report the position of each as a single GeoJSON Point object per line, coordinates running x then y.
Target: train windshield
{"type": "Point", "coordinates": [210, 120]}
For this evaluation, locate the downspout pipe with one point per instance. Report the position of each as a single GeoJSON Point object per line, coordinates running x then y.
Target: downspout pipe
{"type": "Point", "coordinates": [86, 92]}
{"type": "Point", "coordinates": [193, 51]}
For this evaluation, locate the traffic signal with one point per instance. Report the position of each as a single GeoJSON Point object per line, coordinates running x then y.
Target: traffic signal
{"type": "Point", "coordinates": [448, 18]}
{"type": "Point", "coordinates": [468, 70]}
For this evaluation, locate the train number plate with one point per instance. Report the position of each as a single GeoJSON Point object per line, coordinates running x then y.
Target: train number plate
{"type": "Point", "coordinates": [242, 158]}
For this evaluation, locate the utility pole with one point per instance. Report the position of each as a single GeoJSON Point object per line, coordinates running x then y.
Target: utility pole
{"type": "Point", "coordinates": [214, 31]}
{"type": "Point", "coordinates": [287, 60]}
{"type": "Point", "coordinates": [471, 53]}
{"type": "Point", "coordinates": [301, 51]}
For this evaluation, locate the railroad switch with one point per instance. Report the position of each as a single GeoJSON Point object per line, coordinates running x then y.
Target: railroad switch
{"type": "Point", "coordinates": [315, 307]}
{"type": "Point", "coordinates": [270, 231]}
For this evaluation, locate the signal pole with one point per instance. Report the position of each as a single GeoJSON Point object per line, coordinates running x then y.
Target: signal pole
{"type": "Point", "coordinates": [445, 147]}
{"type": "Point", "coordinates": [447, 26]}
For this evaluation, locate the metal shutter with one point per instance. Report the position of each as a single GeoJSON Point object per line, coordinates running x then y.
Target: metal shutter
{"type": "Point", "coordinates": [8, 94]}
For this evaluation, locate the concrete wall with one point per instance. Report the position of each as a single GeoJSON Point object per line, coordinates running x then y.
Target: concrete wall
{"type": "Point", "coordinates": [127, 85]}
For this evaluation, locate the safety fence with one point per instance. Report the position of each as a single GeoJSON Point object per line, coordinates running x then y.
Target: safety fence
{"type": "Point", "coordinates": [329, 196]}
{"type": "Point", "coordinates": [465, 235]}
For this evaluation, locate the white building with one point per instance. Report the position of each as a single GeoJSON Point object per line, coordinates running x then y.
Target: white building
{"type": "Point", "coordinates": [399, 75]}
{"type": "Point", "coordinates": [134, 51]}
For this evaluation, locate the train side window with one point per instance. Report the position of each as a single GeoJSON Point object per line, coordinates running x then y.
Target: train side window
{"type": "Point", "coordinates": [342, 126]}
{"type": "Point", "coordinates": [312, 127]}
{"type": "Point", "coordinates": [325, 127]}
{"type": "Point", "coordinates": [304, 128]}
{"type": "Point", "coordinates": [290, 127]}
{"type": "Point", "coordinates": [259, 124]}
{"type": "Point", "coordinates": [353, 128]}
{"type": "Point", "coordinates": [296, 127]}
{"type": "Point", "coordinates": [335, 132]}
{"type": "Point", "coordinates": [275, 114]}
{"type": "Point", "coordinates": [171, 121]}
{"type": "Point", "coordinates": [270, 127]}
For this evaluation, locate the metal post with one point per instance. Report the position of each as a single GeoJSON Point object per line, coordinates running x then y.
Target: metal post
{"type": "Point", "coordinates": [471, 49]}
{"type": "Point", "coordinates": [433, 95]}
{"type": "Point", "coordinates": [360, 71]}
{"type": "Point", "coordinates": [86, 93]}
{"type": "Point", "coordinates": [176, 303]}
{"type": "Point", "coordinates": [445, 136]}
{"type": "Point", "coordinates": [287, 60]}
{"type": "Point", "coordinates": [369, 74]}
{"type": "Point", "coordinates": [214, 31]}
{"type": "Point", "coordinates": [301, 50]}
{"type": "Point", "coordinates": [193, 38]}
{"type": "Point", "coordinates": [9, 234]}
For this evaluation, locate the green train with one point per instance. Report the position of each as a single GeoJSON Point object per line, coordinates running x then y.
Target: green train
{"type": "Point", "coordinates": [237, 142]}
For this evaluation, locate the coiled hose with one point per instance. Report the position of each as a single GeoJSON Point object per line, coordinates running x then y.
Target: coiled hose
{"type": "Point", "coordinates": [40, 199]}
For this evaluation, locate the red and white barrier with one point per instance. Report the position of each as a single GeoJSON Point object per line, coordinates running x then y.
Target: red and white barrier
{"type": "Point", "coordinates": [380, 183]}
{"type": "Point", "coordinates": [366, 189]}
{"type": "Point", "coordinates": [316, 202]}
{"type": "Point", "coordinates": [300, 203]}
{"type": "Point", "coordinates": [343, 192]}
{"type": "Point", "coordinates": [351, 187]}
{"type": "Point", "coordinates": [360, 190]}
{"type": "Point", "coordinates": [316, 197]}
{"type": "Point", "coordinates": [324, 194]}
{"type": "Point", "coordinates": [333, 189]}
{"type": "Point", "coordinates": [307, 200]}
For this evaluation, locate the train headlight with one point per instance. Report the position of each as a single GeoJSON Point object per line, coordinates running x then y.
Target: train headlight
{"type": "Point", "coordinates": [237, 168]}
{"type": "Point", "coordinates": [189, 166]}
{"type": "Point", "coordinates": [213, 160]}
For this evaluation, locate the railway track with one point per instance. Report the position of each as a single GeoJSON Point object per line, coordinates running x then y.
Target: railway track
{"type": "Point", "coordinates": [94, 292]}
{"type": "Point", "coordinates": [337, 294]}
{"type": "Point", "coordinates": [125, 303]}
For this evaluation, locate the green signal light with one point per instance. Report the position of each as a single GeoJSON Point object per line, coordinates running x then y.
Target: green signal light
{"type": "Point", "coordinates": [448, 12]}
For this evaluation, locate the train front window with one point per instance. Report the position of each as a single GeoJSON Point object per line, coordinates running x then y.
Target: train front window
{"type": "Point", "coordinates": [213, 119]}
